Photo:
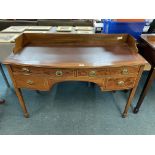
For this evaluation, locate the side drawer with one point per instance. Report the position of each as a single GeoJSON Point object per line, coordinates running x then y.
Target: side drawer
{"type": "Point", "coordinates": [125, 70]}
{"type": "Point", "coordinates": [53, 72]}
{"type": "Point", "coordinates": [120, 83]}
{"type": "Point", "coordinates": [91, 72]}
{"type": "Point", "coordinates": [31, 81]}
{"type": "Point", "coordinates": [27, 69]}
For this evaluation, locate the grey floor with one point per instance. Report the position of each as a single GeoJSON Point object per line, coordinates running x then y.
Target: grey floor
{"type": "Point", "coordinates": [73, 108]}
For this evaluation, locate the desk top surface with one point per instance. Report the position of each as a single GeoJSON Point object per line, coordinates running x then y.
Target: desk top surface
{"type": "Point", "coordinates": [76, 56]}
{"type": "Point", "coordinates": [65, 56]}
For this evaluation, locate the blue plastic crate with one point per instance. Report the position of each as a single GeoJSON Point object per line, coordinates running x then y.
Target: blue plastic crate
{"type": "Point", "coordinates": [133, 28]}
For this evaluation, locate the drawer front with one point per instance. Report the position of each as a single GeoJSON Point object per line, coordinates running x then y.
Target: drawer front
{"type": "Point", "coordinates": [59, 73]}
{"type": "Point", "coordinates": [111, 71]}
{"type": "Point", "coordinates": [126, 70]}
{"type": "Point", "coordinates": [120, 83]}
{"type": "Point", "coordinates": [53, 72]}
{"type": "Point", "coordinates": [32, 82]}
{"type": "Point", "coordinates": [27, 69]}
{"type": "Point", "coordinates": [91, 72]}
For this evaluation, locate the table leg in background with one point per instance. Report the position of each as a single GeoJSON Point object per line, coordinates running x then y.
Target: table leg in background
{"type": "Point", "coordinates": [4, 76]}
{"type": "Point", "coordinates": [147, 85]}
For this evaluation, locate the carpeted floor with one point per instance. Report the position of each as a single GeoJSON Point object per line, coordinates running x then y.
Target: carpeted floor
{"type": "Point", "coordinates": [73, 108]}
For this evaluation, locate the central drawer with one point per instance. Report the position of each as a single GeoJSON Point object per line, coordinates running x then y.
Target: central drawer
{"type": "Point", "coordinates": [91, 72]}
{"type": "Point", "coordinates": [58, 73]}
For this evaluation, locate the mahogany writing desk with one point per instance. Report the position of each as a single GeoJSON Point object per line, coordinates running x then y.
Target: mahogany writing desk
{"type": "Point", "coordinates": [41, 60]}
{"type": "Point", "coordinates": [147, 50]}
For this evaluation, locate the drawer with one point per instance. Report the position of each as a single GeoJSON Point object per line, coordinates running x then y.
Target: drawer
{"type": "Point", "coordinates": [120, 83]}
{"type": "Point", "coordinates": [27, 69]}
{"type": "Point", "coordinates": [126, 70]}
{"type": "Point", "coordinates": [91, 72]}
{"type": "Point", "coordinates": [32, 82]}
{"type": "Point", "coordinates": [59, 73]}
{"type": "Point", "coordinates": [53, 72]}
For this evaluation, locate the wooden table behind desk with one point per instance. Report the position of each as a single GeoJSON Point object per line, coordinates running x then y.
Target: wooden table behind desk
{"type": "Point", "coordinates": [147, 50]}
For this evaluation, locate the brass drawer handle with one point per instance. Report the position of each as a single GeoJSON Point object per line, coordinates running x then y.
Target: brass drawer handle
{"type": "Point", "coordinates": [24, 69]}
{"type": "Point", "coordinates": [59, 73]}
{"type": "Point", "coordinates": [125, 71]}
{"type": "Point", "coordinates": [120, 83]}
{"type": "Point", "coordinates": [92, 73]}
{"type": "Point", "coordinates": [30, 82]}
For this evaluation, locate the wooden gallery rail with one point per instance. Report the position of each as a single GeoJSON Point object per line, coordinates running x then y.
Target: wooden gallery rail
{"type": "Point", "coordinates": [41, 60]}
